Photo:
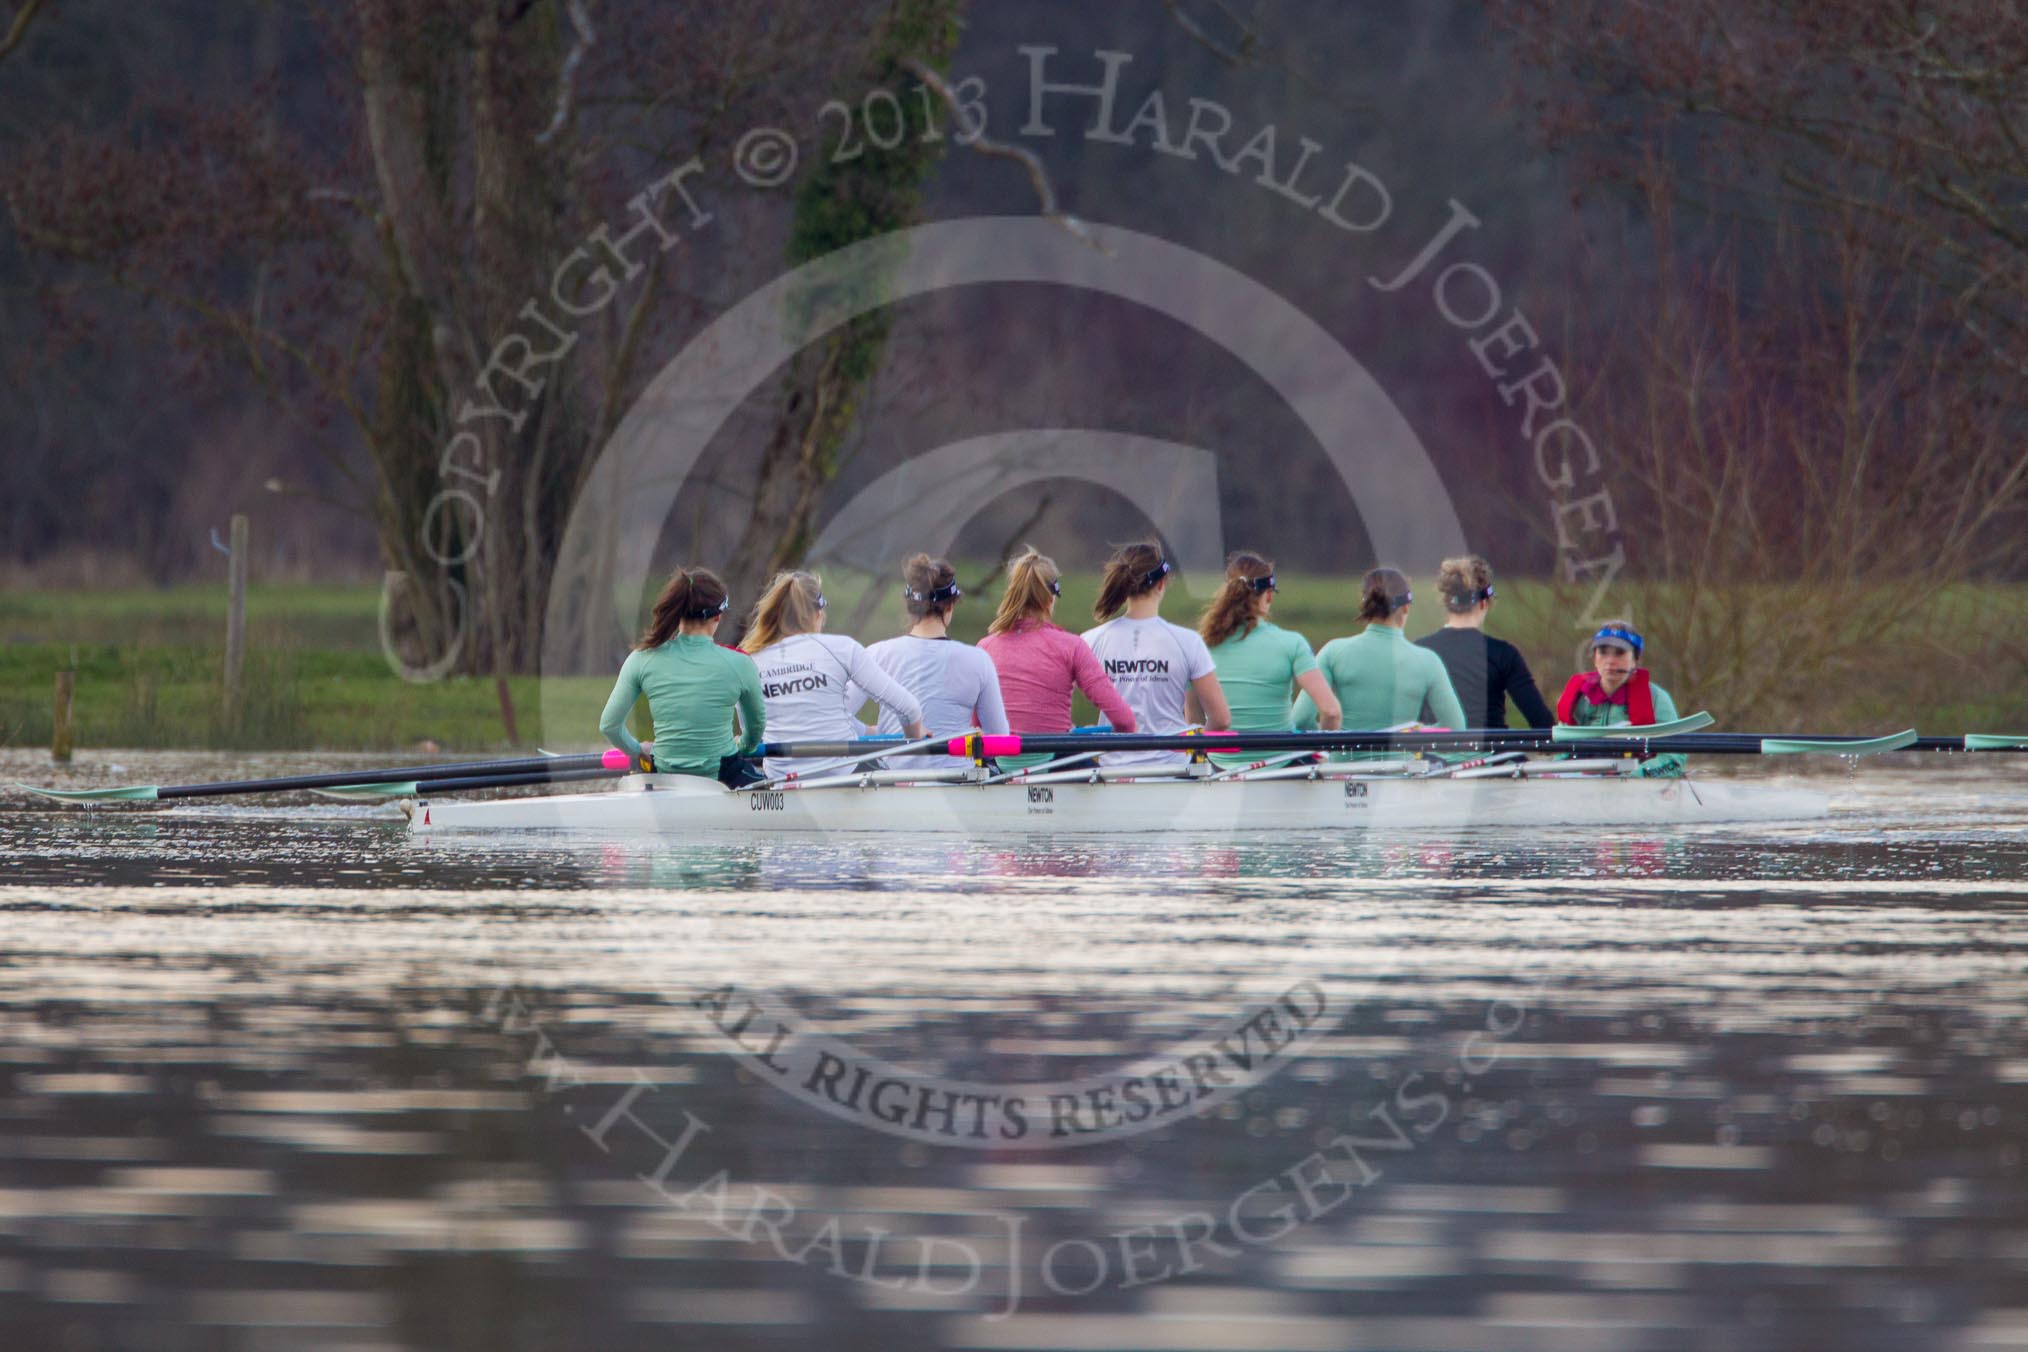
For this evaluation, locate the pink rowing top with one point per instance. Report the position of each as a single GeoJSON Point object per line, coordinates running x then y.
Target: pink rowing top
{"type": "Point", "coordinates": [1039, 664]}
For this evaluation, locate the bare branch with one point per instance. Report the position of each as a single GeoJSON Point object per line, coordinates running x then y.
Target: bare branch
{"type": "Point", "coordinates": [1231, 56]}
{"type": "Point", "coordinates": [580, 19]}
{"type": "Point", "coordinates": [974, 138]}
{"type": "Point", "coordinates": [1014, 537]}
{"type": "Point", "coordinates": [17, 32]}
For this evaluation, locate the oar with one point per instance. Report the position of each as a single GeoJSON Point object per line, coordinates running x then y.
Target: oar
{"type": "Point", "coordinates": [1616, 741]}
{"type": "Point", "coordinates": [424, 788]}
{"type": "Point", "coordinates": [1045, 767]}
{"type": "Point", "coordinates": [870, 748]}
{"type": "Point", "coordinates": [1987, 741]}
{"type": "Point", "coordinates": [1837, 746]}
{"type": "Point", "coordinates": [1565, 732]}
{"type": "Point", "coordinates": [614, 759]}
{"type": "Point", "coordinates": [1274, 761]}
{"type": "Point", "coordinates": [1220, 743]}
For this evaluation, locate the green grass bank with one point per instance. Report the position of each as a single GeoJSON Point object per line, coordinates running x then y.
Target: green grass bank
{"type": "Point", "coordinates": [149, 662]}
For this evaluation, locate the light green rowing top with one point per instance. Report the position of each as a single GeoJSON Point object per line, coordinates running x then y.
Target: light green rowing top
{"type": "Point", "coordinates": [1256, 669]}
{"type": "Point", "coordinates": [1382, 680]}
{"type": "Point", "coordinates": [693, 686]}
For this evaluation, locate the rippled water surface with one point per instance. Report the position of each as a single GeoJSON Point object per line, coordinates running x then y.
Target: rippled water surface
{"type": "Point", "coordinates": [277, 1076]}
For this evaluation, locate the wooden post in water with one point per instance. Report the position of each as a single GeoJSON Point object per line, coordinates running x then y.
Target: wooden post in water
{"type": "Point", "coordinates": [60, 737]}
{"type": "Point", "coordinates": [235, 620]}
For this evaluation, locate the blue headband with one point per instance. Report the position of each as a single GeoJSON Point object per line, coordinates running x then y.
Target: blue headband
{"type": "Point", "coordinates": [1620, 634]}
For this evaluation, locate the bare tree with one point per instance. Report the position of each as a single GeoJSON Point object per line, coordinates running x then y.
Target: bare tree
{"type": "Point", "coordinates": [372, 267]}
{"type": "Point", "coordinates": [845, 201]}
{"type": "Point", "coordinates": [1803, 477]}
{"type": "Point", "coordinates": [1905, 122]}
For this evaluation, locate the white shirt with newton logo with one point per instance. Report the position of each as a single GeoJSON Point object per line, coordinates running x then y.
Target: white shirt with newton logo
{"type": "Point", "coordinates": [1152, 662]}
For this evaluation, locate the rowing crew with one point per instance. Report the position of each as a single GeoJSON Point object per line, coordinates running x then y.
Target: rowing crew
{"type": "Point", "coordinates": [1236, 670]}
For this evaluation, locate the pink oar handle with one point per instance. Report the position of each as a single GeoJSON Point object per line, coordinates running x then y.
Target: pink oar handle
{"type": "Point", "coordinates": [988, 745]}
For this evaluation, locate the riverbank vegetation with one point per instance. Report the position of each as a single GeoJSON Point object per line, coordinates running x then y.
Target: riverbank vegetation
{"type": "Point", "coordinates": [149, 662]}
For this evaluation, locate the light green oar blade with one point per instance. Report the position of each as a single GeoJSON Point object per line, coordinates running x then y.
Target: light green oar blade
{"type": "Point", "coordinates": [1992, 741]}
{"type": "Point", "coordinates": [396, 790]}
{"type": "Point", "coordinates": [1804, 746]}
{"type": "Point", "coordinates": [1564, 732]}
{"type": "Point", "coordinates": [134, 793]}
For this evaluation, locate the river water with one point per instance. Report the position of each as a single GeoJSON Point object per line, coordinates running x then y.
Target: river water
{"type": "Point", "coordinates": [277, 1076]}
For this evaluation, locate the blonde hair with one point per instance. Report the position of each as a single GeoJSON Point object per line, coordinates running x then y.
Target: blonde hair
{"type": "Point", "coordinates": [788, 606]}
{"type": "Point", "coordinates": [1235, 609]}
{"type": "Point", "coordinates": [1464, 582]}
{"type": "Point", "coordinates": [1031, 580]}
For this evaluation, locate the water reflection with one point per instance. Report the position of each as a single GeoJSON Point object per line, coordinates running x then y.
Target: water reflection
{"type": "Point", "coordinates": [274, 1082]}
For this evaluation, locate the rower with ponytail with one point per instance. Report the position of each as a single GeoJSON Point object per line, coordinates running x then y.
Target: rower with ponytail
{"type": "Point", "coordinates": [956, 683]}
{"type": "Point", "coordinates": [1041, 664]}
{"type": "Point", "coordinates": [815, 682]}
{"type": "Point", "coordinates": [1380, 678]}
{"type": "Point", "coordinates": [1163, 671]}
{"type": "Point", "coordinates": [1258, 662]}
{"type": "Point", "coordinates": [694, 687]}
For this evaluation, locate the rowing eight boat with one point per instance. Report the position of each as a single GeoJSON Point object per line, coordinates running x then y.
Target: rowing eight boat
{"type": "Point", "coordinates": [1326, 798]}
{"type": "Point", "coordinates": [1433, 779]}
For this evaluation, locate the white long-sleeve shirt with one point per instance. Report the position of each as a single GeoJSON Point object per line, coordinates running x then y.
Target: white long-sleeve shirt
{"type": "Point", "coordinates": [958, 685]}
{"type": "Point", "coordinates": [813, 684]}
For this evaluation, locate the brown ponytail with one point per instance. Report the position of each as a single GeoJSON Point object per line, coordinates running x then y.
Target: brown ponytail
{"type": "Point", "coordinates": [689, 594]}
{"type": "Point", "coordinates": [1132, 571]}
{"type": "Point", "coordinates": [1235, 609]}
{"type": "Point", "coordinates": [788, 606]}
{"type": "Point", "coordinates": [1383, 591]}
{"type": "Point", "coordinates": [932, 587]}
{"type": "Point", "coordinates": [1032, 581]}
{"type": "Point", "coordinates": [1464, 582]}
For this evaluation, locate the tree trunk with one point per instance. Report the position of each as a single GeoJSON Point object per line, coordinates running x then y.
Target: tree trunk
{"type": "Point", "coordinates": [842, 204]}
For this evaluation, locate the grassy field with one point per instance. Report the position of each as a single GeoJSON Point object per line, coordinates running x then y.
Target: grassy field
{"type": "Point", "coordinates": [148, 665]}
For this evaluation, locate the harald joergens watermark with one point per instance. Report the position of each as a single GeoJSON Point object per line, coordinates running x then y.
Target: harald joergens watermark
{"type": "Point", "coordinates": [1352, 199]}
{"type": "Point", "coordinates": [993, 1258]}
{"type": "Point", "coordinates": [626, 501]}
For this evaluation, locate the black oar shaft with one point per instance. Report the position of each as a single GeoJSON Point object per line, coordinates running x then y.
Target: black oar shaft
{"type": "Point", "coordinates": [398, 774]}
{"type": "Point", "coordinates": [1485, 739]}
{"type": "Point", "coordinates": [512, 781]}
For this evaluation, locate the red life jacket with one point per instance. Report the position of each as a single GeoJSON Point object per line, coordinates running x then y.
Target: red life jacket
{"type": "Point", "coordinates": [1634, 693]}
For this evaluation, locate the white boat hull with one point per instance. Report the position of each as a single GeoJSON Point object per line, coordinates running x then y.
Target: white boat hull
{"type": "Point", "coordinates": [679, 805]}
